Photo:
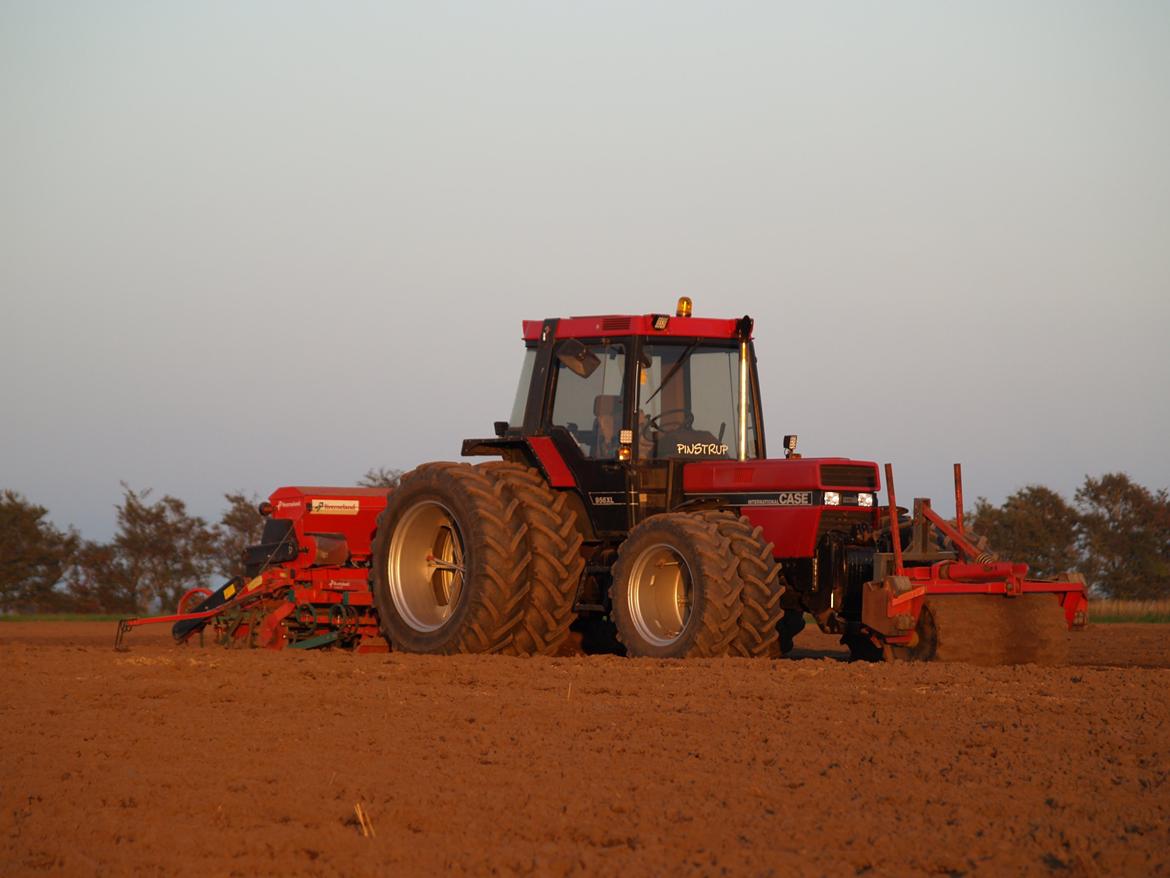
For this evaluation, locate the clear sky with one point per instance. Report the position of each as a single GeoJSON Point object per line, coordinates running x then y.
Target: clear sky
{"type": "Point", "coordinates": [252, 244]}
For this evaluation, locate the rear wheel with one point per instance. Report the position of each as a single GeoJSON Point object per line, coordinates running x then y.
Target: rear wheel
{"type": "Point", "coordinates": [554, 541]}
{"type": "Point", "coordinates": [449, 563]}
{"type": "Point", "coordinates": [758, 635]}
{"type": "Point", "coordinates": [676, 592]}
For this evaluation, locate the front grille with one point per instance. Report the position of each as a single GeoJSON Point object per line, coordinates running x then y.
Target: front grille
{"type": "Point", "coordinates": [842, 521]}
{"type": "Point", "coordinates": [845, 476]}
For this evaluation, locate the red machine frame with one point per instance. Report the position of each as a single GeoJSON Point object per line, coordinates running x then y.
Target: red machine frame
{"type": "Point", "coordinates": [892, 607]}
{"type": "Point", "coordinates": [318, 597]}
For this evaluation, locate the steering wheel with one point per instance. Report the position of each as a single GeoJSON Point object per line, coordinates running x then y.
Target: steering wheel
{"type": "Point", "coordinates": [654, 424]}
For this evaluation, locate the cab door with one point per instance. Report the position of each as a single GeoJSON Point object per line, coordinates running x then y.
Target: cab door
{"type": "Point", "coordinates": [588, 413]}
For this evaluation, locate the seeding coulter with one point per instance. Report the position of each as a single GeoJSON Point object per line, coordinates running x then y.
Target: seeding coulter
{"type": "Point", "coordinates": [631, 495]}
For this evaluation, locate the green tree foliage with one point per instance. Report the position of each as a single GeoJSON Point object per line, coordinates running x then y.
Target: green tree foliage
{"type": "Point", "coordinates": [34, 557]}
{"type": "Point", "coordinates": [1125, 537]}
{"type": "Point", "coordinates": [1034, 525]}
{"type": "Point", "coordinates": [1117, 534]}
{"type": "Point", "coordinates": [159, 552]}
{"type": "Point", "coordinates": [99, 581]}
{"type": "Point", "coordinates": [240, 526]}
{"type": "Point", "coordinates": [382, 477]}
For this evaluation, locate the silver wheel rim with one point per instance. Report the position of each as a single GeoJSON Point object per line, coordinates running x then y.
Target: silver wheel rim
{"type": "Point", "coordinates": [660, 594]}
{"type": "Point", "coordinates": [425, 566]}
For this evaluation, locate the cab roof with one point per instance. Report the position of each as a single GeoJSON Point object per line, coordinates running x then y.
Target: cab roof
{"type": "Point", "coordinates": [612, 325]}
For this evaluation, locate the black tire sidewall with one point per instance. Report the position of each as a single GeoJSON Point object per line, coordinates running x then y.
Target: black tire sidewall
{"type": "Point", "coordinates": [652, 533]}
{"type": "Point", "coordinates": [406, 497]}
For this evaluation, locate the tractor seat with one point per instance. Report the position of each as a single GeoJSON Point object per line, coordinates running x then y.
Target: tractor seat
{"type": "Point", "coordinates": [607, 404]}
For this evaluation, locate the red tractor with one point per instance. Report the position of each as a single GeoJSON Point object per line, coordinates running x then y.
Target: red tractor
{"type": "Point", "coordinates": [635, 490]}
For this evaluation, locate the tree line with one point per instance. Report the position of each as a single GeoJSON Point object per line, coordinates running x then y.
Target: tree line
{"type": "Point", "coordinates": [1114, 531]}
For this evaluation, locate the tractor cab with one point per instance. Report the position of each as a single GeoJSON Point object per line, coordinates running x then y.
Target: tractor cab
{"type": "Point", "coordinates": [614, 406]}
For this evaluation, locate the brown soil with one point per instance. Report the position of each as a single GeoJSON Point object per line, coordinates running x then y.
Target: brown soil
{"type": "Point", "coordinates": [166, 760]}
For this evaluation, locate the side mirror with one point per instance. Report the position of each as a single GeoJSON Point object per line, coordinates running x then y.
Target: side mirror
{"type": "Point", "coordinates": [790, 447]}
{"type": "Point", "coordinates": [577, 358]}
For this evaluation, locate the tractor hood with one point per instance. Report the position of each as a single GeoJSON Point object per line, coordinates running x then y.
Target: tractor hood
{"type": "Point", "coordinates": [769, 476]}
{"type": "Point", "coordinates": [797, 501]}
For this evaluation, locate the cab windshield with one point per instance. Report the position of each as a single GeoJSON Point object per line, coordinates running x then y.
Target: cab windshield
{"type": "Point", "coordinates": [688, 402]}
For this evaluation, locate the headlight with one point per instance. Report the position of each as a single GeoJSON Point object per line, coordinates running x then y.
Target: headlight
{"type": "Point", "coordinates": [865, 499]}
{"type": "Point", "coordinates": [832, 498]}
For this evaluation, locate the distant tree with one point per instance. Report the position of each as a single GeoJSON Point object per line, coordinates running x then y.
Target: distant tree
{"type": "Point", "coordinates": [1035, 525]}
{"type": "Point", "coordinates": [160, 550]}
{"type": "Point", "coordinates": [34, 557]}
{"type": "Point", "coordinates": [99, 581]}
{"type": "Point", "coordinates": [240, 526]}
{"type": "Point", "coordinates": [382, 477]}
{"type": "Point", "coordinates": [1125, 536]}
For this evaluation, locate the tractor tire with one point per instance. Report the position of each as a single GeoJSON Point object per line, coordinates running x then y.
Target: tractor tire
{"type": "Point", "coordinates": [989, 630]}
{"type": "Point", "coordinates": [553, 540]}
{"type": "Point", "coordinates": [689, 611]}
{"type": "Point", "coordinates": [759, 634]}
{"type": "Point", "coordinates": [449, 568]}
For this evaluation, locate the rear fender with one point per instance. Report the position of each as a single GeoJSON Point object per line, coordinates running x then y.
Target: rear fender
{"type": "Point", "coordinates": [535, 451]}
{"type": "Point", "coordinates": [540, 453]}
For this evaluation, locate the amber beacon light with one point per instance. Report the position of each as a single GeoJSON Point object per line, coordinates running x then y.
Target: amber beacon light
{"type": "Point", "coordinates": [684, 307]}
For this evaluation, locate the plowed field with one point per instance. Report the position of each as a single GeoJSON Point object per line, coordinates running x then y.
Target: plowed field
{"type": "Point", "coordinates": [189, 761]}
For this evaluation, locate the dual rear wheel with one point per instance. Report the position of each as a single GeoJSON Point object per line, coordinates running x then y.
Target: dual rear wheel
{"type": "Point", "coordinates": [449, 562]}
{"type": "Point", "coordinates": [476, 559]}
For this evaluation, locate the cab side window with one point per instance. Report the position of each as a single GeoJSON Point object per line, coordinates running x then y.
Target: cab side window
{"type": "Point", "coordinates": [590, 382]}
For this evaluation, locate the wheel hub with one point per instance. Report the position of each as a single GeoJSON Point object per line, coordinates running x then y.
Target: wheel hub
{"type": "Point", "coordinates": [425, 566]}
{"type": "Point", "coordinates": [660, 594]}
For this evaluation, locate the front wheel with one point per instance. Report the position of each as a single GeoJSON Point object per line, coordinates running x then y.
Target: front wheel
{"type": "Point", "coordinates": [676, 593]}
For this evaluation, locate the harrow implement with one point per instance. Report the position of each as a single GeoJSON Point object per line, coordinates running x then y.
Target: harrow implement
{"type": "Point", "coordinates": [946, 598]}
